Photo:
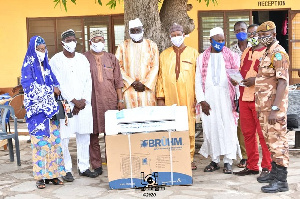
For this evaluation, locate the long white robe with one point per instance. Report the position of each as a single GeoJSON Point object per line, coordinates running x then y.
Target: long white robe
{"type": "Point", "coordinates": [74, 77]}
{"type": "Point", "coordinates": [219, 128]}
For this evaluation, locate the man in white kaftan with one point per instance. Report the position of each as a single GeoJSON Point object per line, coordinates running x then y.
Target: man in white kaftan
{"type": "Point", "coordinates": [215, 93]}
{"type": "Point", "coordinates": [72, 71]}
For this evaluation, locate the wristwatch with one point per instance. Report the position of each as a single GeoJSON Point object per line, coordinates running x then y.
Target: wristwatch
{"type": "Point", "coordinates": [122, 101]}
{"type": "Point", "coordinates": [275, 108]}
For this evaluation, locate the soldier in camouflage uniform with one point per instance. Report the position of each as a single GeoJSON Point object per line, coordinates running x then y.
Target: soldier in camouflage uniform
{"type": "Point", "coordinates": [271, 101]}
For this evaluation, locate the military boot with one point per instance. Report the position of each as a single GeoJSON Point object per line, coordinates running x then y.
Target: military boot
{"type": "Point", "coordinates": [279, 184]}
{"type": "Point", "coordinates": [269, 177]}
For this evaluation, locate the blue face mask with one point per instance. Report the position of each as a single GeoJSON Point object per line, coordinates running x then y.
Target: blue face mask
{"type": "Point", "coordinates": [241, 36]}
{"type": "Point", "coordinates": [217, 46]}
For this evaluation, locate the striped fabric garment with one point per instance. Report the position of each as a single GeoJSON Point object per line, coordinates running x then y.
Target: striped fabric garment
{"type": "Point", "coordinates": [139, 62]}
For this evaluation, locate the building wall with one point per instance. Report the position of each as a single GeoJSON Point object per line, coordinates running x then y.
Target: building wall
{"type": "Point", "coordinates": [13, 33]}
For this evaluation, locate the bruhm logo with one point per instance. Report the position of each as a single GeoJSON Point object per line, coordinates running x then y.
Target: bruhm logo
{"type": "Point", "coordinates": [161, 142]}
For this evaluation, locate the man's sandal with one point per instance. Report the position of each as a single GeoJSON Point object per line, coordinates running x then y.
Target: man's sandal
{"type": "Point", "coordinates": [54, 181]}
{"type": "Point", "coordinates": [193, 165]}
{"type": "Point", "coordinates": [227, 168]}
{"type": "Point", "coordinates": [242, 164]}
{"type": "Point", "coordinates": [211, 167]}
{"type": "Point", "coordinates": [40, 184]}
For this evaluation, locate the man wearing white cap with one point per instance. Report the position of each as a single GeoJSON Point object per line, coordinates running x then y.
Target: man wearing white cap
{"type": "Point", "coordinates": [139, 67]}
{"type": "Point", "coordinates": [215, 93]}
{"type": "Point", "coordinates": [72, 71]}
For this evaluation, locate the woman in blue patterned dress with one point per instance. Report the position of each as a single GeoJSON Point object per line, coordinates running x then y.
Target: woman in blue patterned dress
{"type": "Point", "coordinates": [40, 85]}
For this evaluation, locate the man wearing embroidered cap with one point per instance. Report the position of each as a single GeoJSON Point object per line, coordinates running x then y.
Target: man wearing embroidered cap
{"type": "Point", "coordinates": [139, 67]}
{"type": "Point", "coordinates": [107, 86]}
{"type": "Point", "coordinates": [215, 94]}
{"type": "Point", "coordinates": [271, 101]}
{"type": "Point", "coordinates": [176, 80]}
{"type": "Point", "coordinates": [72, 71]}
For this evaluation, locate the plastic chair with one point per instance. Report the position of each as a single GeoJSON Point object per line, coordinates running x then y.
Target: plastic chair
{"type": "Point", "coordinates": [9, 136]}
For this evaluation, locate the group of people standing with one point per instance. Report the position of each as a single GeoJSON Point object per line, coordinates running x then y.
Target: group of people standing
{"type": "Point", "coordinates": [137, 75]}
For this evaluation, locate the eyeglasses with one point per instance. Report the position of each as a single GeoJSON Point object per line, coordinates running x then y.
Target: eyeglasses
{"type": "Point", "coordinates": [252, 33]}
{"type": "Point", "coordinates": [41, 49]}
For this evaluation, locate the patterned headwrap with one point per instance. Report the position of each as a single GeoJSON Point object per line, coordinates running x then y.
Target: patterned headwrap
{"type": "Point", "coordinates": [39, 40]}
{"type": "Point", "coordinates": [67, 33]}
{"type": "Point", "coordinates": [39, 100]}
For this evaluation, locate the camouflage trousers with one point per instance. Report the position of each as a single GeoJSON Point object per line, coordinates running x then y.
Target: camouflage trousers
{"type": "Point", "coordinates": [276, 137]}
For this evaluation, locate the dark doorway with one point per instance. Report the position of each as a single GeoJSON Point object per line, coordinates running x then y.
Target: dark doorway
{"type": "Point", "coordinates": [280, 18]}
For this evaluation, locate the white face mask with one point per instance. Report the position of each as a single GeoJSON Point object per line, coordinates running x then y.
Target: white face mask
{"type": "Point", "coordinates": [70, 47]}
{"type": "Point", "coordinates": [97, 47]}
{"type": "Point", "coordinates": [177, 41]}
{"type": "Point", "coordinates": [137, 37]}
{"type": "Point", "coordinates": [40, 55]}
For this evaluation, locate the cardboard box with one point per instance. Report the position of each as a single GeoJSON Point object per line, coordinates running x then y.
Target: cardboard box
{"type": "Point", "coordinates": [148, 159]}
{"type": "Point", "coordinates": [146, 119]}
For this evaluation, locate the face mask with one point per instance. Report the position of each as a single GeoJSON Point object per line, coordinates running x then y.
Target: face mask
{"type": "Point", "coordinates": [137, 37]}
{"type": "Point", "coordinates": [70, 47]}
{"type": "Point", "coordinates": [267, 40]}
{"type": "Point", "coordinates": [241, 36]}
{"type": "Point", "coordinates": [40, 55]}
{"type": "Point", "coordinates": [217, 46]}
{"type": "Point", "coordinates": [97, 47]}
{"type": "Point", "coordinates": [177, 41]}
{"type": "Point", "coordinates": [253, 41]}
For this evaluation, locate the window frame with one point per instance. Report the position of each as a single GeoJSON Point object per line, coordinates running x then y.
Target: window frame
{"type": "Point", "coordinates": [225, 27]}
{"type": "Point", "coordinates": [291, 14]}
{"type": "Point", "coordinates": [110, 32]}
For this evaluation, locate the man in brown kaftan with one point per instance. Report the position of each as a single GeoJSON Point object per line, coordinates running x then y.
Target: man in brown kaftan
{"type": "Point", "coordinates": [106, 92]}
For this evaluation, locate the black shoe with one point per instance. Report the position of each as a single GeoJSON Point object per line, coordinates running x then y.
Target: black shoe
{"type": "Point", "coordinates": [246, 171]}
{"type": "Point", "coordinates": [264, 172]}
{"type": "Point", "coordinates": [88, 173]}
{"type": "Point", "coordinates": [68, 177]}
{"type": "Point", "coordinates": [268, 177]}
{"type": "Point", "coordinates": [279, 184]}
{"type": "Point", "coordinates": [275, 186]}
{"type": "Point", "coordinates": [99, 171]}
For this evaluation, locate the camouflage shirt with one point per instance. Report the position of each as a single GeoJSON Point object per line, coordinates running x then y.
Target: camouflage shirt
{"type": "Point", "coordinates": [273, 65]}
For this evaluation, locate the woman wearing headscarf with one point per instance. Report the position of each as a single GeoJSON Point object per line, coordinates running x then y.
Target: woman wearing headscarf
{"type": "Point", "coordinates": [39, 85]}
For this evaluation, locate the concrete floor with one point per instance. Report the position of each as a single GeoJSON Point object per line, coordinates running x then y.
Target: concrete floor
{"type": "Point", "coordinates": [17, 182]}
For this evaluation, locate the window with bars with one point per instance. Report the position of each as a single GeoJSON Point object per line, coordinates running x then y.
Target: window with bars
{"type": "Point", "coordinates": [223, 19]}
{"type": "Point", "coordinates": [295, 48]}
{"type": "Point", "coordinates": [51, 28]}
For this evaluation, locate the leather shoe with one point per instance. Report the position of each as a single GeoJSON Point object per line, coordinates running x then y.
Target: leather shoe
{"type": "Point", "coordinates": [88, 173]}
{"type": "Point", "coordinates": [270, 176]}
{"type": "Point", "coordinates": [68, 177]}
{"type": "Point", "coordinates": [99, 171]}
{"type": "Point", "coordinates": [264, 173]}
{"type": "Point", "coordinates": [246, 171]}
